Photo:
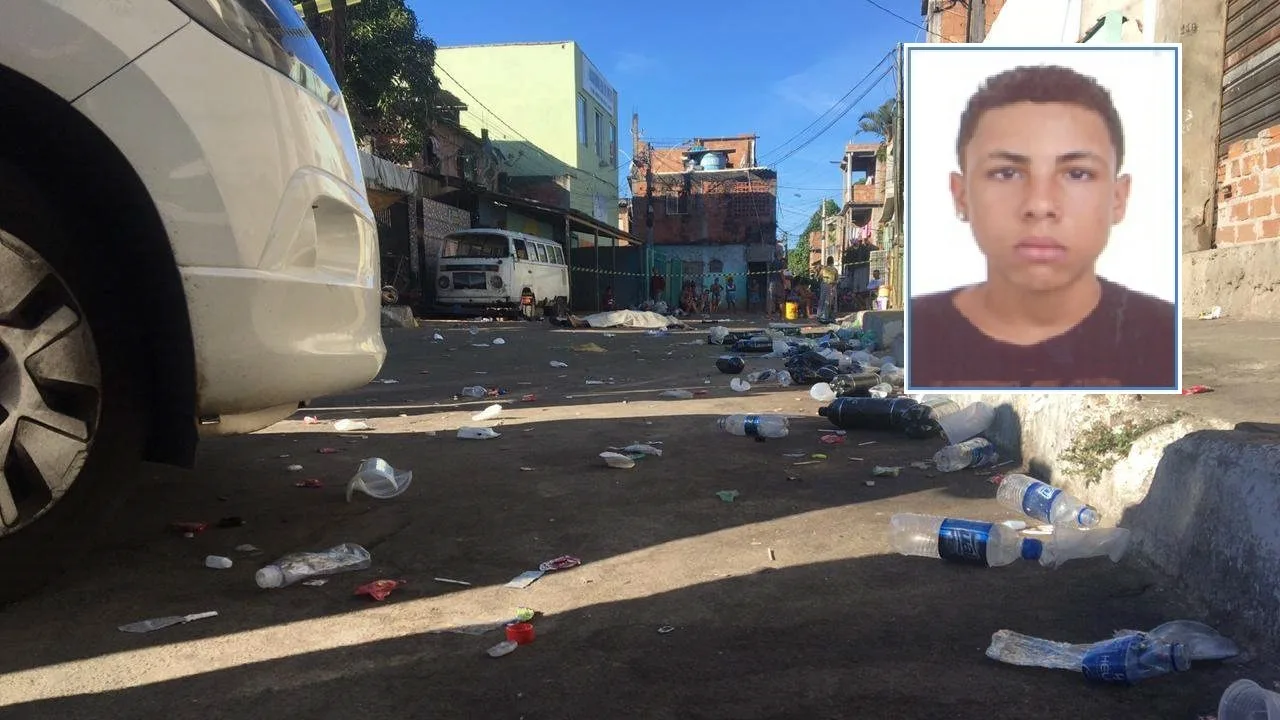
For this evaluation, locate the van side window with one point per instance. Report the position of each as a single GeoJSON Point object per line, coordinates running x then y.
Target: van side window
{"type": "Point", "coordinates": [558, 254]}
{"type": "Point", "coordinates": [541, 251]}
{"type": "Point", "coordinates": [522, 253]}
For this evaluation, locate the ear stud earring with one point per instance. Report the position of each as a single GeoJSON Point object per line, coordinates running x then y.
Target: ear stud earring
{"type": "Point", "coordinates": [962, 217]}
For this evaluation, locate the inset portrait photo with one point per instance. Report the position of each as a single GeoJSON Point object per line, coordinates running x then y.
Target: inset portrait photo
{"type": "Point", "coordinates": [1042, 218]}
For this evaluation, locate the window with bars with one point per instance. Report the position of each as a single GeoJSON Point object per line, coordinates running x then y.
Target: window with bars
{"type": "Point", "coordinates": [750, 204]}
{"type": "Point", "coordinates": [677, 204]}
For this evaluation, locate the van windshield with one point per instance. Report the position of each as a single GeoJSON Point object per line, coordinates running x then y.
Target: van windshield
{"type": "Point", "coordinates": [476, 245]}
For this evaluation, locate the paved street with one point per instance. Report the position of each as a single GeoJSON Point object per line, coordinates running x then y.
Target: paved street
{"type": "Point", "coordinates": [785, 603]}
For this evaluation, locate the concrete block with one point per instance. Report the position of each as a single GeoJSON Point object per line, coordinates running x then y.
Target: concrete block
{"type": "Point", "coordinates": [1243, 279]}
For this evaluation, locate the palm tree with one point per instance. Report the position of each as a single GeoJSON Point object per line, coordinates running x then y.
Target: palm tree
{"type": "Point", "coordinates": [881, 121]}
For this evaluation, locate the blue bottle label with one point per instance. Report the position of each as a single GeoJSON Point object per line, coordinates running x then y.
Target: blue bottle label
{"type": "Point", "coordinates": [751, 426]}
{"type": "Point", "coordinates": [1037, 501]}
{"type": "Point", "coordinates": [1107, 661]}
{"type": "Point", "coordinates": [964, 541]}
{"type": "Point", "coordinates": [983, 455]}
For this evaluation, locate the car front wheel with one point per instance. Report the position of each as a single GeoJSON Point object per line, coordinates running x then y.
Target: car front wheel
{"type": "Point", "coordinates": [69, 436]}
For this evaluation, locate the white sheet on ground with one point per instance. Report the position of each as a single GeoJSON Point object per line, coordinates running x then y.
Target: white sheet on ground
{"type": "Point", "coordinates": [630, 318]}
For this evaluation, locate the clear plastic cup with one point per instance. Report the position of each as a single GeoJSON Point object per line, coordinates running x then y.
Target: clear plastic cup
{"type": "Point", "coordinates": [377, 479]}
{"type": "Point", "coordinates": [966, 423]}
{"type": "Point", "coordinates": [1246, 700]}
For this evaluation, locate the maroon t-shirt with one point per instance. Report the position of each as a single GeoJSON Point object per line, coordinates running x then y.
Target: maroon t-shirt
{"type": "Point", "coordinates": [1129, 341]}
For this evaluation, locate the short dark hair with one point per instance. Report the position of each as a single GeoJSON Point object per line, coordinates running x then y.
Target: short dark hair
{"type": "Point", "coordinates": [1041, 84]}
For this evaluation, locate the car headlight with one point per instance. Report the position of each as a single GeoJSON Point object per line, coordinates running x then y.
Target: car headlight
{"type": "Point", "coordinates": [495, 282]}
{"type": "Point", "coordinates": [272, 32]}
{"type": "Point", "coordinates": [443, 282]}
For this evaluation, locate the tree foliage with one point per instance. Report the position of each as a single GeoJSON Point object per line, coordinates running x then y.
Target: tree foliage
{"type": "Point", "coordinates": [880, 122]}
{"type": "Point", "coordinates": [388, 75]}
{"type": "Point", "coordinates": [798, 257]}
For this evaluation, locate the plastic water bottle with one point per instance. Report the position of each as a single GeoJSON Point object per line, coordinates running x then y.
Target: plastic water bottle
{"type": "Point", "coordinates": [784, 379]}
{"type": "Point", "coordinates": [975, 453]}
{"type": "Point", "coordinates": [892, 374]}
{"type": "Point", "coordinates": [475, 391]}
{"type": "Point", "coordinates": [1126, 660]}
{"type": "Point", "coordinates": [1071, 543]}
{"type": "Point", "coordinates": [1044, 502]}
{"type": "Point", "coordinates": [756, 426]}
{"type": "Point", "coordinates": [760, 376]}
{"type": "Point", "coordinates": [963, 541]}
{"type": "Point", "coordinates": [299, 566]}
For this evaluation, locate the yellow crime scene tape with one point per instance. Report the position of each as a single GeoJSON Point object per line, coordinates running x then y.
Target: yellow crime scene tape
{"type": "Point", "coordinates": [623, 273]}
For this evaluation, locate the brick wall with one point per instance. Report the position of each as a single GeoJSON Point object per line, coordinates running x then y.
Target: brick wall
{"type": "Point", "coordinates": [953, 24]}
{"type": "Point", "coordinates": [1249, 190]}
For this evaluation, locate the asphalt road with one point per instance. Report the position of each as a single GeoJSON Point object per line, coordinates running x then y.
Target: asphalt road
{"type": "Point", "coordinates": [785, 603]}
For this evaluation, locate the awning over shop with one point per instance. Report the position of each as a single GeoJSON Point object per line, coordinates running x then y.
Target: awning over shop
{"type": "Point", "coordinates": [386, 182]}
{"type": "Point", "coordinates": [573, 220]}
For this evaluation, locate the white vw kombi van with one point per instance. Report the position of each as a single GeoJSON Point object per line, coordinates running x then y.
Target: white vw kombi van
{"type": "Point", "coordinates": [485, 269]}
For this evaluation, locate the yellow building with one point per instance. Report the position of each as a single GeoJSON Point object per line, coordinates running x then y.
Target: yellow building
{"type": "Point", "coordinates": [551, 113]}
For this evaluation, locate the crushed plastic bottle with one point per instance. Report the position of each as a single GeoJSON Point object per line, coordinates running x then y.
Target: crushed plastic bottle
{"type": "Point", "coordinates": [973, 453]}
{"type": "Point", "coordinates": [1126, 660]}
{"type": "Point", "coordinates": [880, 390]}
{"type": "Point", "coordinates": [295, 567]}
{"type": "Point", "coordinates": [376, 478]}
{"type": "Point", "coordinates": [967, 422]}
{"type": "Point", "coordinates": [1044, 502]}
{"type": "Point", "coordinates": [1202, 641]}
{"type": "Point", "coordinates": [971, 542]}
{"type": "Point", "coordinates": [756, 426]}
{"type": "Point", "coordinates": [784, 379]}
{"type": "Point", "coordinates": [475, 391]}
{"type": "Point", "coordinates": [1070, 543]}
{"type": "Point", "coordinates": [477, 433]}
{"type": "Point", "coordinates": [761, 375]}
{"type": "Point", "coordinates": [822, 392]}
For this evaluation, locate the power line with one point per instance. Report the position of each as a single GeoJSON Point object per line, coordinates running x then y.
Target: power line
{"type": "Point", "coordinates": [831, 124]}
{"type": "Point", "coordinates": [912, 23]}
{"type": "Point", "coordinates": [833, 107]}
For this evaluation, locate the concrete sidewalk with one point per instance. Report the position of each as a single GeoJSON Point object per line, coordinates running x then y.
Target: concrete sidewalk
{"type": "Point", "coordinates": [1195, 477]}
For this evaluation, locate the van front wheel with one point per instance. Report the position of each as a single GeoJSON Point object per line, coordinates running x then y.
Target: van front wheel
{"type": "Point", "coordinates": [529, 310]}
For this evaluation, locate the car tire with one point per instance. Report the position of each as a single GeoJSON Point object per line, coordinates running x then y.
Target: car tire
{"type": "Point", "coordinates": [70, 428]}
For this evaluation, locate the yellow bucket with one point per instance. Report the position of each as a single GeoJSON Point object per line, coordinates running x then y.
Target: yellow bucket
{"type": "Point", "coordinates": [791, 310]}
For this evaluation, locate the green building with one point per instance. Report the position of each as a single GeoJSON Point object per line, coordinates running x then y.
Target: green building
{"type": "Point", "coordinates": [551, 113]}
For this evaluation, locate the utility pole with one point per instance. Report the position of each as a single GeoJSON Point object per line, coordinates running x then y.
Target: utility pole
{"type": "Point", "coordinates": [977, 30]}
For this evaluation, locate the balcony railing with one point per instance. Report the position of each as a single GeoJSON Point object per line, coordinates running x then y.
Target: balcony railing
{"type": "Point", "coordinates": [865, 194]}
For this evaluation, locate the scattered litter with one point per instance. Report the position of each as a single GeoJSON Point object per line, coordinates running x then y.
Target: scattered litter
{"type": "Point", "coordinates": [1213, 314]}
{"type": "Point", "coordinates": [869, 483]}
{"type": "Point", "coordinates": [832, 439]}
{"type": "Point", "coordinates": [642, 449]}
{"type": "Point", "coordinates": [316, 582]}
{"type": "Point", "coordinates": [283, 456]}
{"type": "Point", "coordinates": [312, 483]}
{"type": "Point", "coordinates": [499, 341]}
{"type": "Point", "coordinates": [595, 382]}
{"type": "Point", "coordinates": [477, 433]}
{"type": "Point", "coordinates": [588, 347]}
{"type": "Point", "coordinates": [479, 344]}
{"type": "Point", "coordinates": [506, 647]}
{"type": "Point", "coordinates": [328, 451]}
{"type": "Point", "coordinates": [727, 495]}
{"type": "Point", "coordinates": [386, 381]}
{"type": "Point", "coordinates": [772, 557]}
{"type": "Point", "coordinates": [488, 413]}
{"type": "Point", "coordinates": [189, 529]}
{"type": "Point", "coordinates": [666, 629]}
{"type": "Point", "coordinates": [526, 469]}
{"type": "Point", "coordinates": [883, 471]}
{"type": "Point", "coordinates": [819, 456]}
{"type": "Point", "coordinates": [376, 478]}
{"type": "Point", "coordinates": [249, 549]}
{"type": "Point", "coordinates": [558, 364]}
{"type": "Point", "coordinates": [1127, 659]}
{"type": "Point", "coordinates": [1197, 390]}
{"type": "Point", "coordinates": [920, 465]}
{"type": "Point", "coordinates": [793, 455]}
{"type": "Point", "coordinates": [524, 579]}
{"type": "Point", "coordinates": [675, 394]}
{"type": "Point", "coordinates": [437, 337]}
{"type": "Point", "coordinates": [564, 562]}
{"type": "Point", "coordinates": [451, 581]}
{"type": "Point", "coordinates": [297, 566]}
{"type": "Point", "coordinates": [349, 425]}
{"type": "Point", "coordinates": [869, 442]}
{"type": "Point", "coordinates": [739, 385]}
{"type": "Point", "coordinates": [806, 462]}
{"type": "Point", "coordinates": [217, 562]}
{"type": "Point", "coordinates": [379, 589]}
{"type": "Point", "coordinates": [145, 626]}
{"type": "Point", "coordinates": [520, 633]}
{"type": "Point", "coordinates": [616, 460]}
{"type": "Point", "coordinates": [855, 458]}
{"type": "Point", "coordinates": [529, 398]}
{"type": "Point", "coordinates": [310, 420]}
{"type": "Point", "coordinates": [294, 468]}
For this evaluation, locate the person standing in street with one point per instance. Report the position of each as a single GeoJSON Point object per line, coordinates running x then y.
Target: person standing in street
{"type": "Point", "coordinates": [729, 290]}
{"type": "Point", "coordinates": [827, 300]}
{"type": "Point", "coordinates": [657, 286]}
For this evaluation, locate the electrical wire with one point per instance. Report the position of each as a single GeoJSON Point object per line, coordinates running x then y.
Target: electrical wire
{"type": "Point", "coordinates": [912, 23]}
{"type": "Point", "coordinates": [836, 105]}
{"type": "Point", "coordinates": [830, 124]}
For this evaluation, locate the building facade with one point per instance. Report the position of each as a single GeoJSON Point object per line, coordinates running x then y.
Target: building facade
{"type": "Point", "coordinates": [549, 111]}
{"type": "Point", "coordinates": [713, 211]}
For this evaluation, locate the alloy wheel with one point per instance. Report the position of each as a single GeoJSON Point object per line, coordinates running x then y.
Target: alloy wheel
{"type": "Point", "coordinates": [50, 386]}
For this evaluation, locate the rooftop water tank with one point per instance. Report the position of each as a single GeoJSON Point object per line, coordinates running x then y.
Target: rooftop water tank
{"type": "Point", "coordinates": [713, 161]}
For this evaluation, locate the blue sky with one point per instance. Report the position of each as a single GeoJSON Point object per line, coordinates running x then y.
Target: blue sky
{"type": "Point", "coordinates": [716, 67]}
